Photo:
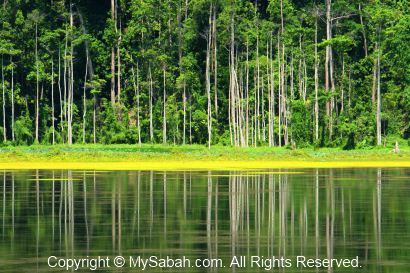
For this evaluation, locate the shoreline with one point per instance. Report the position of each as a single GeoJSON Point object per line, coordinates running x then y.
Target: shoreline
{"type": "Point", "coordinates": [194, 157]}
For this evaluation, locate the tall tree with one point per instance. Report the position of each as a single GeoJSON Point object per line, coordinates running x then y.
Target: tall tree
{"type": "Point", "coordinates": [316, 79]}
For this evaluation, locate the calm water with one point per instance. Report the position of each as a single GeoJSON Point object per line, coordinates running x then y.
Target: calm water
{"type": "Point", "coordinates": [325, 213]}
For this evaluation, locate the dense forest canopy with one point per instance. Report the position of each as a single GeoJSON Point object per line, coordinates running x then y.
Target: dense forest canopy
{"type": "Point", "coordinates": [242, 73]}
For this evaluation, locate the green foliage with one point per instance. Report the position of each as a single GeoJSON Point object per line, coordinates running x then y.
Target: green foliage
{"type": "Point", "coordinates": [23, 130]}
{"type": "Point", "coordinates": [166, 37]}
{"type": "Point", "coordinates": [300, 123]}
{"type": "Point", "coordinates": [112, 131]}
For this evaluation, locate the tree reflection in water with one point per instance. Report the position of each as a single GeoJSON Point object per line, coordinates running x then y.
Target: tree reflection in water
{"type": "Point", "coordinates": [319, 213]}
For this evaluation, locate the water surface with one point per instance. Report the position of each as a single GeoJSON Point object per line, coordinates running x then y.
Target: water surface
{"type": "Point", "coordinates": [317, 213]}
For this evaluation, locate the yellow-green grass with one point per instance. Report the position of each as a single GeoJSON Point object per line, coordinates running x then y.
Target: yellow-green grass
{"type": "Point", "coordinates": [190, 157]}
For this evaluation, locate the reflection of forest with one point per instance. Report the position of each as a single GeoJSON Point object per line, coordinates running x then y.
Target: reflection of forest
{"type": "Point", "coordinates": [318, 213]}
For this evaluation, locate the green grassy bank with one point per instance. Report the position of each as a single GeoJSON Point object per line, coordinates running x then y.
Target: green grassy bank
{"type": "Point", "coordinates": [135, 153]}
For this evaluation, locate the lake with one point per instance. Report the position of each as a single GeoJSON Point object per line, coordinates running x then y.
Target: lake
{"type": "Point", "coordinates": [205, 221]}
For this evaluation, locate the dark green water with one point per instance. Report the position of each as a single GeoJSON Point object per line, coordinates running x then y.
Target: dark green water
{"type": "Point", "coordinates": [325, 213]}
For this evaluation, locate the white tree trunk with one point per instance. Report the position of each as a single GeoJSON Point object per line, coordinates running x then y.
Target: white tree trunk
{"type": "Point", "coordinates": [208, 76]}
{"type": "Point", "coordinates": [12, 100]}
{"type": "Point", "coordinates": [316, 84]}
{"type": "Point", "coordinates": [215, 63]}
{"type": "Point", "coordinates": [135, 84]}
{"type": "Point", "coordinates": [184, 112]}
{"type": "Point", "coordinates": [378, 112]}
{"type": "Point", "coordinates": [113, 57]}
{"type": "Point", "coordinates": [3, 101]}
{"type": "Point", "coordinates": [59, 91]}
{"type": "Point", "coordinates": [151, 125]}
{"type": "Point", "coordinates": [71, 82]}
{"type": "Point", "coordinates": [232, 81]}
{"type": "Point", "coordinates": [37, 86]}
{"type": "Point", "coordinates": [164, 122]}
{"type": "Point", "coordinates": [138, 107]}
{"type": "Point", "coordinates": [84, 98]}
{"type": "Point", "coordinates": [52, 100]}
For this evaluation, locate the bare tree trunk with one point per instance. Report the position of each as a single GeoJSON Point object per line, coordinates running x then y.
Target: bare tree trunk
{"type": "Point", "coordinates": [190, 120]}
{"type": "Point", "coordinates": [52, 99]}
{"type": "Point", "coordinates": [247, 93]}
{"type": "Point", "coordinates": [255, 109]}
{"type": "Point", "coordinates": [119, 75]}
{"type": "Point", "coordinates": [305, 77]}
{"type": "Point", "coordinates": [332, 89]}
{"type": "Point", "coordinates": [208, 76]}
{"type": "Point", "coordinates": [59, 92]}
{"type": "Point", "coordinates": [84, 100]}
{"type": "Point", "coordinates": [268, 74]}
{"type": "Point", "coordinates": [112, 76]}
{"type": "Point", "coordinates": [241, 118]}
{"type": "Point", "coordinates": [3, 100]}
{"type": "Point", "coordinates": [378, 112]}
{"type": "Point", "coordinates": [119, 69]}
{"type": "Point", "coordinates": [215, 62]}
{"type": "Point", "coordinates": [284, 108]}
{"type": "Point", "coordinates": [350, 88]}
{"type": "Point", "coordinates": [94, 118]}
{"type": "Point", "coordinates": [135, 84]}
{"type": "Point", "coordinates": [151, 125]}
{"type": "Point", "coordinates": [279, 95]}
{"type": "Point", "coordinates": [316, 83]}
{"type": "Point", "coordinates": [363, 31]}
{"type": "Point", "coordinates": [71, 98]}
{"type": "Point", "coordinates": [113, 56]}
{"type": "Point", "coordinates": [374, 86]}
{"type": "Point", "coordinates": [272, 84]}
{"type": "Point", "coordinates": [342, 95]}
{"type": "Point", "coordinates": [230, 106]}
{"type": "Point", "coordinates": [37, 88]}
{"type": "Point", "coordinates": [71, 82]}
{"type": "Point", "coordinates": [232, 81]}
{"type": "Point", "coordinates": [184, 110]}
{"type": "Point", "coordinates": [292, 92]}
{"type": "Point", "coordinates": [179, 21]}
{"type": "Point", "coordinates": [164, 122]}
{"type": "Point", "coordinates": [64, 117]}
{"type": "Point", "coordinates": [328, 36]}
{"type": "Point", "coordinates": [284, 99]}
{"type": "Point", "coordinates": [12, 99]}
{"type": "Point", "coordinates": [329, 67]}
{"type": "Point", "coordinates": [257, 100]}
{"type": "Point", "coordinates": [300, 70]}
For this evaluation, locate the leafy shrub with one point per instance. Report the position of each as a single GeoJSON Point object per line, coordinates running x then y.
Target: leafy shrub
{"type": "Point", "coordinates": [23, 130]}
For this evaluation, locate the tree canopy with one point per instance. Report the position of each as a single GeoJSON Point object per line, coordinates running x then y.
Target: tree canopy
{"type": "Point", "coordinates": [243, 73]}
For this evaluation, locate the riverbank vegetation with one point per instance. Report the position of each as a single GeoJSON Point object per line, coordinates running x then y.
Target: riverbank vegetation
{"type": "Point", "coordinates": [211, 72]}
{"type": "Point", "coordinates": [190, 153]}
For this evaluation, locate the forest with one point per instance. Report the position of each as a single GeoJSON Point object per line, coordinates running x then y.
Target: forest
{"type": "Point", "coordinates": [212, 72]}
